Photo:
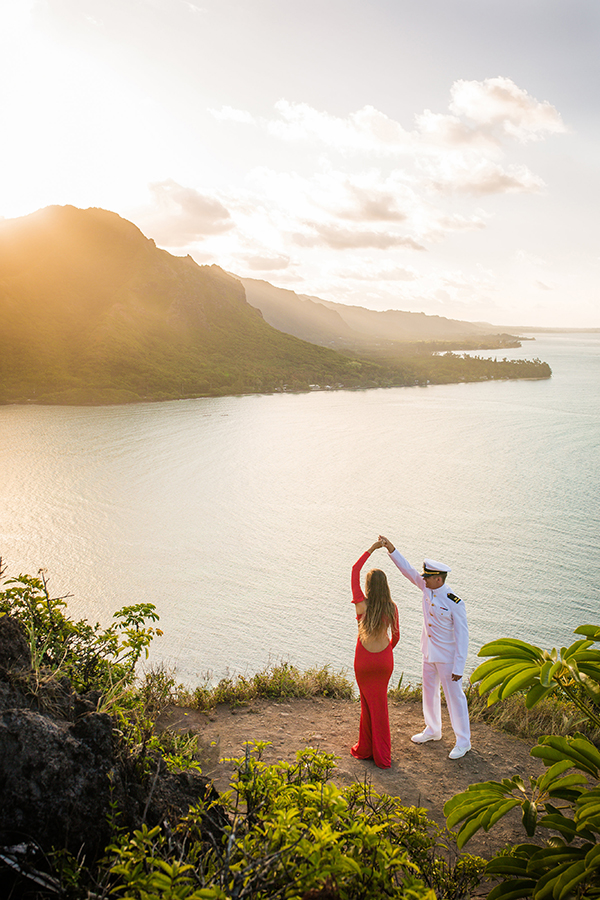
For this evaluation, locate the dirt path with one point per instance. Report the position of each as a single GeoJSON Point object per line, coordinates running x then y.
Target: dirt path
{"type": "Point", "coordinates": [421, 774]}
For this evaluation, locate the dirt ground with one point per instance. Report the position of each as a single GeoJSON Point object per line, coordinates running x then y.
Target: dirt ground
{"type": "Point", "coordinates": [420, 775]}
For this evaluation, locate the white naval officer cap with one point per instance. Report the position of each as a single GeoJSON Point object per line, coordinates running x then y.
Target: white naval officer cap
{"type": "Point", "coordinates": [431, 567]}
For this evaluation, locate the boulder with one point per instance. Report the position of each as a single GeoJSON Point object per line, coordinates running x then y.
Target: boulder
{"type": "Point", "coordinates": [64, 772]}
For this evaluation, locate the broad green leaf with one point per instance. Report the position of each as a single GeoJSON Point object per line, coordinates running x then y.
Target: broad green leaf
{"type": "Point", "coordinates": [497, 811]}
{"type": "Point", "coordinates": [469, 829]}
{"type": "Point", "coordinates": [592, 858]}
{"type": "Point", "coordinates": [569, 781]}
{"type": "Point", "coordinates": [547, 882]}
{"type": "Point", "coordinates": [506, 865]}
{"type": "Point", "coordinates": [529, 817]}
{"type": "Point", "coordinates": [511, 647]}
{"type": "Point", "coordinates": [557, 822]}
{"type": "Point", "coordinates": [544, 674]}
{"type": "Point", "coordinates": [468, 810]}
{"type": "Point", "coordinates": [584, 747]}
{"type": "Point", "coordinates": [589, 656]}
{"type": "Point", "coordinates": [582, 753]}
{"type": "Point", "coordinates": [518, 682]}
{"type": "Point", "coordinates": [569, 878]}
{"type": "Point", "coordinates": [486, 668]}
{"type": "Point", "coordinates": [545, 780]}
{"type": "Point", "coordinates": [591, 685]}
{"type": "Point", "coordinates": [503, 675]}
{"type": "Point", "coordinates": [574, 648]}
{"type": "Point", "coordinates": [590, 631]}
{"type": "Point", "coordinates": [484, 791]}
{"type": "Point", "coordinates": [512, 890]}
{"type": "Point", "coordinates": [537, 693]}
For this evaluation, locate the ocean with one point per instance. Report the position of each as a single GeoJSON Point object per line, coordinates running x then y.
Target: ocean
{"type": "Point", "coordinates": [240, 517]}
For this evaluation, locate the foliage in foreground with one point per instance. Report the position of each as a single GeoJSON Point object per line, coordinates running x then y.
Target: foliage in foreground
{"type": "Point", "coordinates": [291, 832]}
{"type": "Point", "coordinates": [283, 830]}
{"type": "Point", "coordinates": [92, 657]}
{"type": "Point", "coordinates": [560, 803]}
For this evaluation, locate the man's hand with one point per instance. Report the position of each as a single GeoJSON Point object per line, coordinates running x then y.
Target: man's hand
{"type": "Point", "coordinates": [387, 544]}
{"type": "Point", "coordinates": [456, 677]}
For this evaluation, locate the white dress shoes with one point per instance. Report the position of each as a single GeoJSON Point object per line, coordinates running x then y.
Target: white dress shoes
{"type": "Point", "coordinates": [457, 752]}
{"type": "Point", "coordinates": [425, 736]}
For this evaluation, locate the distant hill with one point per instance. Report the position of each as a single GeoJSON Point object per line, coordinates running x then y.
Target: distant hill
{"type": "Point", "coordinates": [91, 311]}
{"type": "Point", "coordinates": [353, 327]}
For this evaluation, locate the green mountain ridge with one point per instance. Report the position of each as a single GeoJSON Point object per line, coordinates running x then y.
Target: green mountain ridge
{"type": "Point", "coordinates": [93, 312]}
{"type": "Point", "coordinates": [354, 327]}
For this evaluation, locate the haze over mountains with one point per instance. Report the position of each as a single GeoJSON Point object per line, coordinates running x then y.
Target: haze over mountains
{"type": "Point", "coordinates": [93, 311]}
{"type": "Point", "coordinates": [340, 326]}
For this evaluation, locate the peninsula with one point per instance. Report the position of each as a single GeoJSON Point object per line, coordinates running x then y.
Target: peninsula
{"type": "Point", "coordinates": [94, 313]}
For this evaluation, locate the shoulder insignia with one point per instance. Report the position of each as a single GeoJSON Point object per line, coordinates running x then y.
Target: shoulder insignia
{"type": "Point", "coordinates": [453, 597]}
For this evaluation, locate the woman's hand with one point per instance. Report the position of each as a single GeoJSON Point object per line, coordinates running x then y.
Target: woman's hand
{"type": "Point", "coordinates": [383, 542]}
{"type": "Point", "coordinates": [376, 545]}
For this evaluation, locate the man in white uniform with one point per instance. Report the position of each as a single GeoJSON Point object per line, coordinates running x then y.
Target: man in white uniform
{"type": "Point", "coordinates": [444, 644]}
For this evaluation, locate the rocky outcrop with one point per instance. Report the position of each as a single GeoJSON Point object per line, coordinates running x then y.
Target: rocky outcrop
{"type": "Point", "coordinates": [64, 775]}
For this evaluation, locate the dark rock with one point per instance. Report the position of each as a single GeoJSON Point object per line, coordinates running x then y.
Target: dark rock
{"type": "Point", "coordinates": [54, 786]}
{"type": "Point", "coordinates": [65, 773]}
{"type": "Point", "coordinates": [14, 646]}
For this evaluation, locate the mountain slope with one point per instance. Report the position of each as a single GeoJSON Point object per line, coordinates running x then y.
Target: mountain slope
{"type": "Point", "coordinates": [92, 310]}
{"type": "Point", "coordinates": [340, 326]}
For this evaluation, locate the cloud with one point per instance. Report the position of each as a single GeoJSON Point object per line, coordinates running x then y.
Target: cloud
{"type": "Point", "coordinates": [229, 114]}
{"type": "Point", "coordinates": [482, 115]}
{"type": "Point", "coordinates": [524, 256]}
{"type": "Point", "coordinates": [371, 272]}
{"type": "Point", "coordinates": [456, 152]}
{"type": "Point", "coordinates": [468, 174]}
{"type": "Point", "coordinates": [457, 222]}
{"type": "Point", "coordinates": [542, 286]}
{"type": "Point", "coordinates": [337, 238]}
{"type": "Point", "coordinates": [182, 215]}
{"type": "Point", "coordinates": [372, 205]}
{"type": "Point", "coordinates": [498, 104]}
{"type": "Point", "coordinates": [267, 263]}
{"type": "Point", "coordinates": [368, 129]}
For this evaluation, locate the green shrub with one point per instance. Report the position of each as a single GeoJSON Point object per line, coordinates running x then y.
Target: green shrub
{"type": "Point", "coordinates": [93, 658]}
{"type": "Point", "coordinates": [291, 832]}
{"type": "Point", "coordinates": [559, 803]}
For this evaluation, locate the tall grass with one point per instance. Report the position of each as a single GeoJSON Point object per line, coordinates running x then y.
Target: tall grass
{"type": "Point", "coordinates": [276, 682]}
{"type": "Point", "coordinates": [551, 716]}
{"type": "Point", "coordinates": [284, 681]}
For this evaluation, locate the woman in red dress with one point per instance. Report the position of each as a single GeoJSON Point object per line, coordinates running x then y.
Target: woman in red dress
{"type": "Point", "coordinates": [377, 617]}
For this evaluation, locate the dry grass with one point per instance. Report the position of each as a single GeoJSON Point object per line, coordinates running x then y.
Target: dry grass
{"type": "Point", "coordinates": [550, 716]}
{"type": "Point", "coordinates": [276, 682]}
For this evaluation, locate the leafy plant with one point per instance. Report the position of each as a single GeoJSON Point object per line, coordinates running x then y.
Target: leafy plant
{"type": "Point", "coordinates": [559, 802]}
{"type": "Point", "coordinates": [93, 658]}
{"type": "Point", "coordinates": [292, 834]}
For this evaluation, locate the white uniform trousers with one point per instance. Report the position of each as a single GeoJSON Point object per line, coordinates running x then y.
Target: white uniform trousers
{"type": "Point", "coordinates": [435, 674]}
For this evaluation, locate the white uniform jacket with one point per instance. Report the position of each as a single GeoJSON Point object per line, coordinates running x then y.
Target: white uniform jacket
{"type": "Point", "coordinates": [445, 635]}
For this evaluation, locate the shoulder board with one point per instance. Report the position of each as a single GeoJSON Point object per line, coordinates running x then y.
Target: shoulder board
{"type": "Point", "coordinates": [453, 597]}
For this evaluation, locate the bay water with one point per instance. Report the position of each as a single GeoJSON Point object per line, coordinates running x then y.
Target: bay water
{"type": "Point", "coordinates": [240, 517]}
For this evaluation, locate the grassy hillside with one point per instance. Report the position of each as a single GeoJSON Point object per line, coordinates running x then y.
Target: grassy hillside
{"type": "Point", "coordinates": [386, 335]}
{"type": "Point", "coordinates": [93, 312]}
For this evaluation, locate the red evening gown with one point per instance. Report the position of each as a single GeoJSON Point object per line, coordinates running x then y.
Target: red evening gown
{"type": "Point", "coordinates": [373, 672]}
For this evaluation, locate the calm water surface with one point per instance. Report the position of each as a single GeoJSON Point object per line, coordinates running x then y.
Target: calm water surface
{"type": "Point", "coordinates": [240, 517]}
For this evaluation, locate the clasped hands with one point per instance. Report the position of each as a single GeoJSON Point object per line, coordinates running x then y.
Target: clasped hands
{"type": "Point", "coordinates": [382, 542]}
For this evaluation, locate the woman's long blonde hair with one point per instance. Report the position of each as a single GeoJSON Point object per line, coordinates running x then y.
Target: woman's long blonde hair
{"type": "Point", "coordinates": [381, 612]}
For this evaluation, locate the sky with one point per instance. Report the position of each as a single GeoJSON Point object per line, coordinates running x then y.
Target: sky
{"type": "Point", "coordinates": [436, 156]}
